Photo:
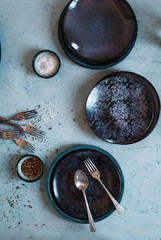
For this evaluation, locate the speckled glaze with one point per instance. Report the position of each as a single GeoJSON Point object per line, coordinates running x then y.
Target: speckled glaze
{"type": "Point", "coordinates": [68, 200]}
{"type": "Point", "coordinates": [122, 108]}
{"type": "Point", "coordinates": [97, 34]}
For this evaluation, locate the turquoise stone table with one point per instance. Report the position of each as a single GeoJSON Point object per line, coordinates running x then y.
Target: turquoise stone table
{"type": "Point", "coordinates": [25, 211]}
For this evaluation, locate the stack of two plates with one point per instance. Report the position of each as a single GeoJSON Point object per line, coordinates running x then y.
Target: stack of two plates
{"type": "Point", "coordinates": [97, 34]}
{"type": "Point", "coordinates": [68, 200]}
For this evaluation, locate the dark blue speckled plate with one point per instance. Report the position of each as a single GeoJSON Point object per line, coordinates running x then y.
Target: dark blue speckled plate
{"type": "Point", "coordinates": [123, 108]}
{"type": "Point", "coordinates": [64, 195]}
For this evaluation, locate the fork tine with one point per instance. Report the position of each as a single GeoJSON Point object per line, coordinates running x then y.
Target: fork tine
{"type": "Point", "coordinates": [35, 134]}
{"type": "Point", "coordinates": [27, 146]}
{"type": "Point", "coordinates": [87, 166]}
{"type": "Point", "coordinates": [9, 137]}
{"type": "Point", "coordinates": [27, 149]}
{"type": "Point", "coordinates": [91, 164]}
{"type": "Point", "coordinates": [31, 147]}
{"type": "Point", "coordinates": [8, 134]}
{"type": "Point", "coordinates": [29, 113]}
{"type": "Point", "coordinates": [26, 118]}
{"type": "Point", "coordinates": [13, 134]}
{"type": "Point", "coordinates": [16, 134]}
{"type": "Point", "coordinates": [91, 169]}
{"type": "Point", "coordinates": [37, 130]}
{"type": "Point", "coordinates": [25, 143]}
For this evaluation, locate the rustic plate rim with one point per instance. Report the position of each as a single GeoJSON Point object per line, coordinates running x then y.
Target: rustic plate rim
{"type": "Point", "coordinates": [58, 158]}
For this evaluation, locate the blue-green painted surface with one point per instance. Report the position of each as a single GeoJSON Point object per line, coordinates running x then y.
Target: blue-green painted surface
{"type": "Point", "coordinates": [27, 27]}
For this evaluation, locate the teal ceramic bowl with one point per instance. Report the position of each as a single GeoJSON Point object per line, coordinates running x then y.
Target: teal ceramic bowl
{"type": "Point", "coordinates": [20, 172]}
{"type": "Point", "coordinates": [68, 200]}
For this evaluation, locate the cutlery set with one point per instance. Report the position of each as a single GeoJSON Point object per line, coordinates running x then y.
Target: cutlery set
{"type": "Point", "coordinates": [21, 130]}
{"type": "Point", "coordinates": [81, 182]}
{"type": "Point", "coordinates": [96, 174]}
{"type": "Point", "coordinates": [9, 134]}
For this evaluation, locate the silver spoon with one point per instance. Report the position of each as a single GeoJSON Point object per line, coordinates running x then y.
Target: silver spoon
{"type": "Point", "coordinates": [81, 182]}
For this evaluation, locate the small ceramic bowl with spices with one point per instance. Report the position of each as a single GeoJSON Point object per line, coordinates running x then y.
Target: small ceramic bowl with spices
{"type": "Point", "coordinates": [46, 64]}
{"type": "Point", "coordinates": [30, 168]}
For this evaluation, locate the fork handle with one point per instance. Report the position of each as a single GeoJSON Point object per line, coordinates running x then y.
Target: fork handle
{"type": "Point", "coordinates": [7, 122]}
{"type": "Point", "coordinates": [118, 207]}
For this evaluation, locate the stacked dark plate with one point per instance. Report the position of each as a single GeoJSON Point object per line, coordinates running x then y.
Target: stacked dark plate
{"type": "Point", "coordinates": [97, 34]}
{"type": "Point", "coordinates": [68, 200]}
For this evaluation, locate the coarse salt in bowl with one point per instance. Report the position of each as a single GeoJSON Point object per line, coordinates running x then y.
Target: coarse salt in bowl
{"type": "Point", "coordinates": [46, 63]}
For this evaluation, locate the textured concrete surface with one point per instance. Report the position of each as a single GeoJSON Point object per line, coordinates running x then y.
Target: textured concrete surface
{"type": "Point", "coordinates": [25, 211]}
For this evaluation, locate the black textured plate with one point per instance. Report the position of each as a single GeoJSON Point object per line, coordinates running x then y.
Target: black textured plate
{"type": "Point", "coordinates": [123, 108]}
{"type": "Point", "coordinates": [68, 200]}
{"type": "Point", "coordinates": [97, 34]}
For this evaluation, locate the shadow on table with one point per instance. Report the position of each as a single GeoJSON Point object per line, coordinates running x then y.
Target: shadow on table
{"type": "Point", "coordinates": [12, 163]}
{"type": "Point", "coordinates": [149, 26]}
{"type": "Point", "coordinates": [28, 59]}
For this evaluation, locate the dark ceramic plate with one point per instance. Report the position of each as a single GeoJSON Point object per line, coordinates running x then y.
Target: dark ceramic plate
{"type": "Point", "coordinates": [123, 108]}
{"type": "Point", "coordinates": [68, 200]}
{"type": "Point", "coordinates": [97, 34]}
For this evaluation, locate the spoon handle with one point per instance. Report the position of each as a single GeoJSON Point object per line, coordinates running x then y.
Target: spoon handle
{"type": "Point", "coordinates": [90, 218]}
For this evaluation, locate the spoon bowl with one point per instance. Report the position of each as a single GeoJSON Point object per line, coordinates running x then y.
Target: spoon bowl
{"type": "Point", "coordinates": [81, 182]}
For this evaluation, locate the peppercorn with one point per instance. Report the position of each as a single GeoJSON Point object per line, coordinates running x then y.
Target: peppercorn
{"type": "Point", "coordinates": [31, 167]}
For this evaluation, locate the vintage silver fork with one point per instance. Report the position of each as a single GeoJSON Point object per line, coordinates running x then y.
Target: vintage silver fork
{"type": "Point", "coordinates": [33, 131]}
{"type": "Point", "coordinates": [24, 144]}
{"type": "Point", "coordinates": [96, 174]}
{"type": "Point", "coordinates": [7, 122]}
{"type": "Point", "coordinates": [24, 115]}
{"type": "Point", "coordinates": [7, 135]}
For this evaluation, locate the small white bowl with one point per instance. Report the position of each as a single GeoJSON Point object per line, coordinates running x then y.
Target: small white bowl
{"type": "Point", "coordinates": [46, 64]}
